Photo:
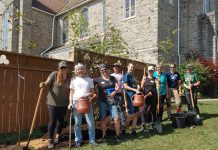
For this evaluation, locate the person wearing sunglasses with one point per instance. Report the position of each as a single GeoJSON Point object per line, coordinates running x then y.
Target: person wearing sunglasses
{"type": "Point", "coordinates": [174, 84]}
{"type": "Point", "coordinates": [148, 85]}
{"type": "Point", "coordinates": [57, 100]}
{"type": "Point", "coordinates": [107, 86]}
{"type": "Point", "coordinates": [162, 89]}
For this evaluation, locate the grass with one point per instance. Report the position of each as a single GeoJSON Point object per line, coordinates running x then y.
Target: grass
{"type": "Point", "coordinates": [12, 138]}
{"type": "Point", "coordinates": [204, 137]}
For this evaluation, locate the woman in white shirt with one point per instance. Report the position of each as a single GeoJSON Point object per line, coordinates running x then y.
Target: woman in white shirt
{"type": "Point", "coordinates": [82, 86]}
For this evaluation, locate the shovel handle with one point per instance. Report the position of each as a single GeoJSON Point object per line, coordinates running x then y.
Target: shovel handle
{"type": "Point", "coordinates": [36, 110]}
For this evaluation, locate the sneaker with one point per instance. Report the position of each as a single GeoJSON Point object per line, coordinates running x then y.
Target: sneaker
{"type": "Point", "coordinates": [123, 131]}
{"type": "Point", "coordinates": [94, 144]}
{"type": "Point", "coordinates": [118, 139]}
{"type": "Point", "coordinates": [58, 140]}
{"type": "Point", "coordinates": [158, 127]}
{"type": "Point", "coordinates": [103, 139]}
{"type": "Point", "coordinates": [78, 144]}
{"type": "Point", "coordinates": [178, 110]}
{"type": "Point", "coordinates": [134, 133]}
{"type": "Point", "coordinates": [198, 117]}
{"type": "Point", "coordinates": [50, 144]}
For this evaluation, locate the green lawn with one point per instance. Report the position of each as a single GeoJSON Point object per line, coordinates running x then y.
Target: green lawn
{"type": "Point", "coordinates": [204, 137]}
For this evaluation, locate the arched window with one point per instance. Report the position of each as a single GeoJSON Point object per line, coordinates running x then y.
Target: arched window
{"type": "Point", "coordinates": [85, 13]}
{"type": "Point", "coordinates": [5, 29]}
{"type": "Point", "coordinates": [65, 30]}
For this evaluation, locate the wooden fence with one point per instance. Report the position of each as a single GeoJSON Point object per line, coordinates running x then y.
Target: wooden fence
{"type": "Point", "coordinates": [18, 95]}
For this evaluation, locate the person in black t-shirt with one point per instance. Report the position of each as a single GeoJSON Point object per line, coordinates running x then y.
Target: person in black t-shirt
{"type": "Point", "coordinates": [148, 85]}
{"type": "Point", "coordinates": [107, 88]}
{"type": "Point", "coordinates": [174, 84]}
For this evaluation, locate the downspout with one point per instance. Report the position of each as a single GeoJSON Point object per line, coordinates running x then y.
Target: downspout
{"type": "Point", "coordinates": [52, 38]}
{"type": "Point", "coordinates": [178, 34]}
{"type": "Point", "coordinates": [52, 41]}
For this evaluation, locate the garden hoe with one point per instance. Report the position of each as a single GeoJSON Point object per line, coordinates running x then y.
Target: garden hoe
{"type": "Point", "coordinates": [34, 118]}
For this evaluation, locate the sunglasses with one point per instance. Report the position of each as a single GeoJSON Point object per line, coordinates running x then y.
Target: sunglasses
{"type": "Point", "coordinates": [62, 68]}
{"type": "Point", "coordinates": [103, 69]}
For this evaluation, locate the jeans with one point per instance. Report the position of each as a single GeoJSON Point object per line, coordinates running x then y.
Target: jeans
{"type": "Point", "coordinates": [120, 108]}
{"type": "Point", "coordinates": [132, 109]}
{"type": "Point", "coordinates": [108, 105]}
{"type": "Point", "coordinates": [189, 101]}
{"type": "Point", "coordinates": [56, 115]}
{"type": "Point", "coordinates": [78, 122]}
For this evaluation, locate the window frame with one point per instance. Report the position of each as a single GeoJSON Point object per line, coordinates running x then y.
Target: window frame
{"type": "Point", "coordinates": [85, 33]}
{"type": "Point", "coordinates": [64, 30]}
{"type": "Point", "coordinates": [207, 6]}
{"type": "Point", "coordinates": [5, 31]}
{"type": "Point", "coordinates": [130, 9]}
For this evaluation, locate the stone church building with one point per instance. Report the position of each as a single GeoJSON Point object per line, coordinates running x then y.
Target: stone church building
{"type": "Point", "coordinates": [40, 27]}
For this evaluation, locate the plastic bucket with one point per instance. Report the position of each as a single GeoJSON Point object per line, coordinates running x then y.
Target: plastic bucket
{"type": "Point", "coordinates": [179, 120]}
{"type": "Point", "coordinates": [191, 118]}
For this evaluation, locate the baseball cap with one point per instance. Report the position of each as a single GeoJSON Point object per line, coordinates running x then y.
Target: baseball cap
{"type": "Point", "coordinates": [62, 64]}
{"type": "Point", "coordinates": [116, 64]}
{"type": "Point", "coordinates": [102, 66]}
{"type": "Point", "coordinates": [150, 68]}
{"type": "Point", "coordinates": [189, 66]}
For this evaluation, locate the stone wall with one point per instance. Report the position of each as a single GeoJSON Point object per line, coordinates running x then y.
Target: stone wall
{"type": "Point", "coordinates": [41, 31]}
{"type": "Point", "coordinates": [167, 23]}
{"type": "Point", "coordinates": [95, 20]}
{"type": "Point", "coordinates": [139, 31]}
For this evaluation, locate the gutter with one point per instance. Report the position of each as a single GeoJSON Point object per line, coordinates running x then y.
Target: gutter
{"type": "Point", "coordinates": [178, 34]}
{"type": "Point", "coordinates": [54, 16]}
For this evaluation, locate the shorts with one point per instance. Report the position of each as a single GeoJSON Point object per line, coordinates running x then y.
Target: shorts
{"type": "Point", "coordinates": [105, 107]}
{"type": "Point", "coordinates": [132, 109]}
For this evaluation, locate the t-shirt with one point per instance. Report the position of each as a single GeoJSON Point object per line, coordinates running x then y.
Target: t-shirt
{"type": "Point", "coordinates": [172, 79]}
{"type": "Point", "coordinates": [193, 77]}
{"type": "Point", "coordinates": [58, 95]}
{"type": "Point", "coordinates": [163, 81]}
{"type": "Point", "coordinates": [103, 85]}
{"type": "Point", "coordinates": [81, 87]}
{"type": "Point", "coordinates": [131, 82]}
{"type": "Point", "coordinates": [149, 86]}
{"type": "Point", "coordinates": [119, 78]}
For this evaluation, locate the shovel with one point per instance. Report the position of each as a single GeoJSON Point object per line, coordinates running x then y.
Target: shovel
{"type": "Point", "coordinates": [158, 108]}
{"type": "Point", "coordinates": [34, 118]}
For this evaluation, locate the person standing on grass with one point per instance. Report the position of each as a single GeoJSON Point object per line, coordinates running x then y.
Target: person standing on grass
{"type": "Point", "coordinates": [82, 87]}
{"type": "Point", "coordinates": [107, 89]}
{"type": "Point", "coordinates": [57, 100]}
{"type": "Point", "coordinates": [118, 96]}
{"type": "Point", "coordinates": [163, 88]}
{"type": "Point", "coordinates": [131, 86]}
{"type": "Point", "coordinates": [191, 83]}
{"type": "Point", "coordinates": [174, 84]}
{"type": "Point", "coordinates": [148, 85]}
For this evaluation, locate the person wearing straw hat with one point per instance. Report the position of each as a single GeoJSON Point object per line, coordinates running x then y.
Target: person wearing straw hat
{"type": "Point", "coordinates": [191, 83]}
{"type": "Point", "coordinates": [57, 100]}
{"type": "Point", "coordinates": [82, 87]}
{"type": "Point", "coordinates": [118, 97]}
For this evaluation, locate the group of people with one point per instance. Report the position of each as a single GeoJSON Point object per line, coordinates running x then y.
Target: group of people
{"type": "Point", "coordinates": [114, 94]}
